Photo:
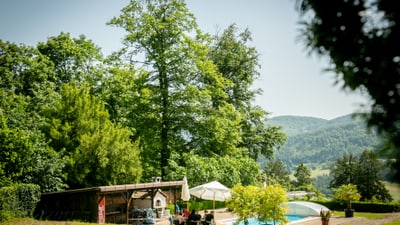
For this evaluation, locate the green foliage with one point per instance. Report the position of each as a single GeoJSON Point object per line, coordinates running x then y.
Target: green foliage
{"type": "Point", "coordinates": [255, 202]}
{"type": "Point", "coordinates": [322, 183]}
{"type": "Point", "coordinates": [374, 207]}
{"type": "Point", "coordinates": [272, 197]}
{"type": "Point", "coordinates": [185, 81]}
{"type": "Point", "coordinates": [360, 38]}
{"type": "Point", "coordinates": [9, 200]}
{"type": "Point", "coordinates": [170, 99]}
{"type": "Point", "coordinates": [347, 193]}
{"type": "Point", "coordinates": [26, 158]}
{"type": "Point", "coordinates": [185, 98]}
{"type": "Point", "coordinates": [322, 141]}
{"type": "Point", "coordinates": [277, 171]}
{"type": "Point", "coordinates": [369, 178]}
{"type": "Point", "coordinates": [199, 204]}
{"type": "Point", "coordinates": [303, 176]}
{"type": "Point", "coordinates": [294, 125]}
{"type": "Point", "coordinates": [18, 200]}
{"type": "Point", "coordinates": [6, 215]}
{"type": "Point", "coordinates": [363, 172]}
{"type": "Point", "coordinates": [325, 214]}
{"type": "Point", "coordinates": [28, 197]}
{"type": "Point", "coordinates": [171, 208]}
{"type": "Point", "coordinates": [23, 69]}
{"type": "Point", "coordinates": [343, 171]}
{"type": "Point", "coordinates": [238, 63]}
{"type": "Point", "coordinates": [245, 202]}
{"type": "Point", "coordinates": [227, 170]}
{"type": "Point", "coordinates": [97, 151]}
{"type": "Point", "coordinates": [74, 59]}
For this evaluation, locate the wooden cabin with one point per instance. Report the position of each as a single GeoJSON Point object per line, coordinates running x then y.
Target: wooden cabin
{"type": "Point", "coordinates": [112, 204]}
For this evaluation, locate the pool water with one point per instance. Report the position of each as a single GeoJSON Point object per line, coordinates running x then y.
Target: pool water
{"type": "Point", "coordinates": [254, 221]}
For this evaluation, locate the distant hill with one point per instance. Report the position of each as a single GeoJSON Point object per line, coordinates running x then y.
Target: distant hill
{"type": "Point", "coordinates": [316, 141]}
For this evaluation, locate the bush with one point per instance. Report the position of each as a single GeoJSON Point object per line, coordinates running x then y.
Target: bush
{"type": "Point", "coordinates": [171, 208]}
{"type": "Point", "coordinates": [6, 215]}
{"type": "Point", "coordinates": [373, 207]}
{"type": "Point", "coordinates": [28, 197]}
{"type": "Point", "coordinates": [205, 204]}
{"type": "Point", "coordinates": [18, 201]}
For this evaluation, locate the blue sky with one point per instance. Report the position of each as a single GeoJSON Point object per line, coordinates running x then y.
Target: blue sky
{"type": "Point", "coordinates": [293, 82]}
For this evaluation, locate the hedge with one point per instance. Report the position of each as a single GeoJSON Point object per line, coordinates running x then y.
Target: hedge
{"type": "Point", "coordinates": [18, 200]}
{"type": "Point", "coordinates": [374, 207]}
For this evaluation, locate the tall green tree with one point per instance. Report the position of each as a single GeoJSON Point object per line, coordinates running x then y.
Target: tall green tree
{"type": "Point", "coordinates": [303, 176]}
{"type": "Point", "coordinates": [369, 179]}
{"type": "Point", "coordinates": [238, 62]}
{"type": "Point", "coordinates": [276, 171]}
{"type": "Point", "coordinates": [97, 151]}
{"type": "Point", "coordinates": [361, 39]}
{"type": "Point", "coordinates": [265, 203]}
{"type": "Point", "coordinates": [74, 59]}
{"type": "Point", "coordinates": [182, 83]}
{"type": "Point", "coordinates": [25, 83]}
{"type": "Point", "coordinates": [364, 172]}
{"type": "Point", "coordinates": [343, 171]}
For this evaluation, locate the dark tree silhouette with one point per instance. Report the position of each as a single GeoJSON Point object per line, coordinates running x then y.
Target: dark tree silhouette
{"type": "Point", "coordinates": [361, 38]}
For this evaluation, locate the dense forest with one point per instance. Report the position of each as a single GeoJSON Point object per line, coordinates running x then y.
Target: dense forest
{"type": "Point", "coordinates": [172, 102]}
{"type": "Point", "coordinates": [316, 141]}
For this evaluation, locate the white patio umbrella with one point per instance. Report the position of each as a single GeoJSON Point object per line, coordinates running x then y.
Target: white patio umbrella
{"type": "Point", "coordinates": [214, 191]}
{"type": "Point", "coordinates": [185, 194]}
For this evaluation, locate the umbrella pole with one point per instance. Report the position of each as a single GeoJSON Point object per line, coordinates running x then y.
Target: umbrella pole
{"type": "Point", "coordinates": [214, 201]}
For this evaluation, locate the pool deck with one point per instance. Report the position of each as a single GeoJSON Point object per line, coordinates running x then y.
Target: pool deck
{"type": "Point", "coordinates": [222, 216]}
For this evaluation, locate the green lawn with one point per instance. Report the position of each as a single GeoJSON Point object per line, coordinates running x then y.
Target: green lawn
{"type": "Point", "coordinates": [394, 189]}
{"type": "Point", "coordinates": [371, 216]}
{"type": "Point", "coordinates": [28, 221]}
{"type": "Point", "coordinates": [362, 214]}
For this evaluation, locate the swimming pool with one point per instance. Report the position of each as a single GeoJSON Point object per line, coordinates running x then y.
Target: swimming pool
{"type": "Point", "coordinates": [254, 221]}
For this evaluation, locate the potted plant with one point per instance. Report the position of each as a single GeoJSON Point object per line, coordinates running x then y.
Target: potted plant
{"type": "Point", "coordinates": [325, 216]}
{"type": "Point", "coordinates": [348, 193]}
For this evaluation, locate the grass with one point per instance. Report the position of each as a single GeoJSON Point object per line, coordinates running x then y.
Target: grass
{"type": "Point", "coordinates": [371, 216]}
{"type": "Point", "coordinates": [29, 221]}
{"type": "Point", "coordinates": [394, 190]}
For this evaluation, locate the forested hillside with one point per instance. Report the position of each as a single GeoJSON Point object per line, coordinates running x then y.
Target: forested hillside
{"type": "Point", "coordinates": [318, 141]}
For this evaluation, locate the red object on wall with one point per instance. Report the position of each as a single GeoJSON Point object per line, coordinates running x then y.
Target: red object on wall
{"type": "Point", "coordinates": [102, 210]}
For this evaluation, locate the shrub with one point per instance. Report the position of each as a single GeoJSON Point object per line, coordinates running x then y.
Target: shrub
{"type": "Point", "coordinates": [18, 200]}
{"type": "Point", "coordinates": [373, 207]}
{"type": "Point", "coordinates": [6, 215]}
{"type": "Point", "coordinates": [28, 197]}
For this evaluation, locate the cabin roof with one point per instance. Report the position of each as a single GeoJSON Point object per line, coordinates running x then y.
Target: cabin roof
{"type": "Point", "coordinates": [124, 187]}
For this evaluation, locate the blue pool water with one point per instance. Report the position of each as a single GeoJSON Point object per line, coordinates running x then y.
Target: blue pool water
{"type": "Point", "coordinates": [254, 221]}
